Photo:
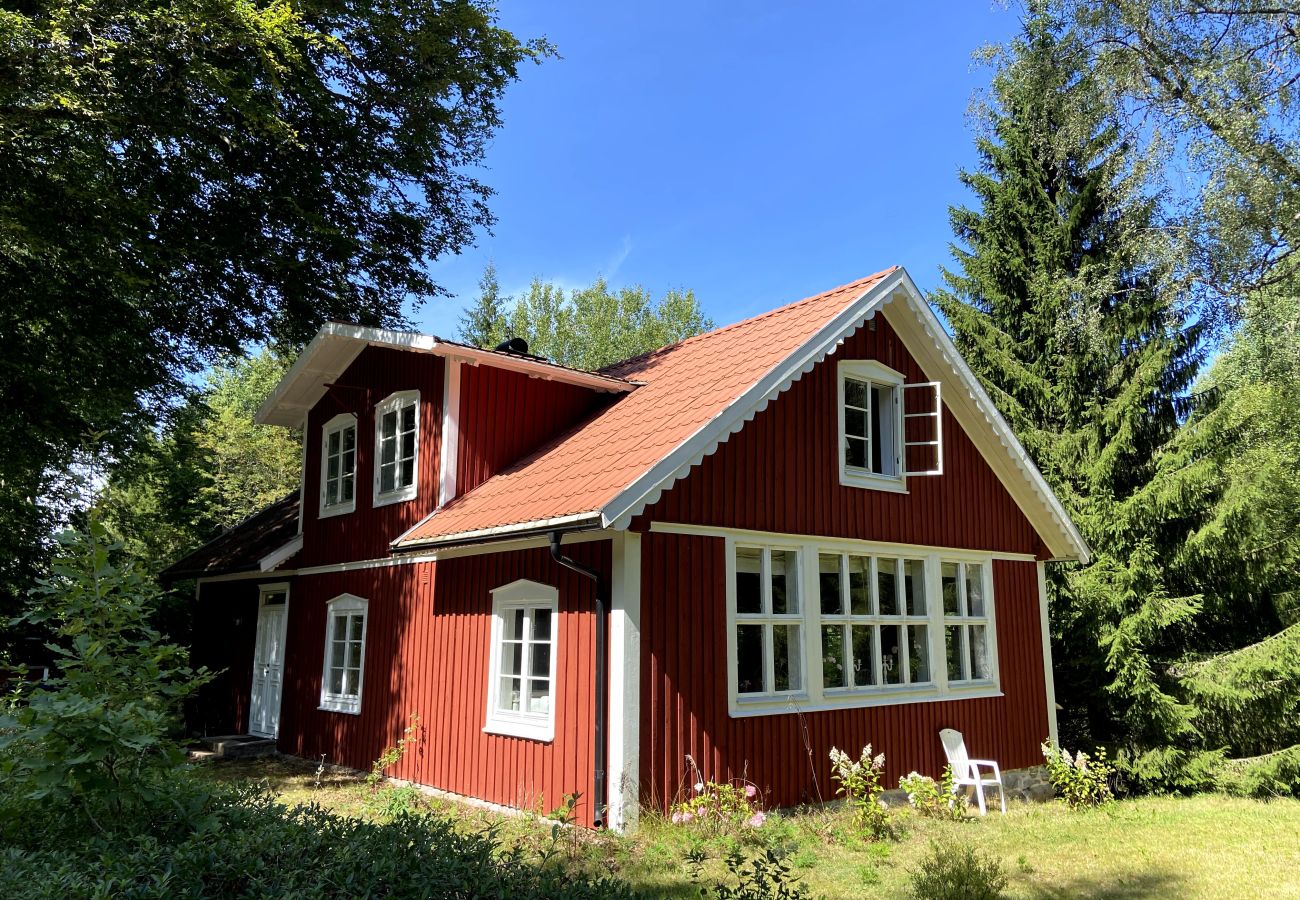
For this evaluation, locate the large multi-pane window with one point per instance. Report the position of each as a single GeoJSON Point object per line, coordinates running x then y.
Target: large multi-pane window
{"type": "Point", "coordinates": [521, 688]}
{"type": "Point", "coordinates": [397, 432]}
{"type": "Point", "coordinates": [339, 465]}
{"type": "Point", "coordinates": [345, 651]}
{"type": "Point", "coordinates": [769, 621]}
{"type": "Point", "coordinates": [828, 625]}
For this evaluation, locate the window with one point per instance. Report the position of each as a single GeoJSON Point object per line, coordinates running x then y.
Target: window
{"type": "Point", "coordinates": [338, 493]}
{"type": "Point", "coordinates": [966, 622]}
{"type": "Point", "coordinates": [827, 623]}
{"type": "Point", "coordinates": [888, 430]}
{"type": "Point", "coordinates": [768, 622]}
{"type": "Point", "coordinates": [345, 654]}
{"type": "Point", "coordinates": [521, 678]}
{"type": "Point", "coordinates": [397, 439]}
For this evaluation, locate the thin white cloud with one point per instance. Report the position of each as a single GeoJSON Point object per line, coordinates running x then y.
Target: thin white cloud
{"type": "Point", "coordinates": [620, 257]}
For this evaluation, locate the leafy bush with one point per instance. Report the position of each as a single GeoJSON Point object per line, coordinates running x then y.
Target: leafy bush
{"type": "Point", "coordinates": [725, 806]}
{"type": "Point", "coordinates": [1273, 775]}
{"type": "Point", "coordinates": [933, 799]}
{"type": "Point", "coordinates": [765, 877]}
{"type": "Point", "coordinates": [859, 783]}
{"type": "Point", "coordinates": [958, 873]}
{"type": "Point", "coordinates": [98, 736]}
{"type": "Point", "coordinates": [1079, 780]}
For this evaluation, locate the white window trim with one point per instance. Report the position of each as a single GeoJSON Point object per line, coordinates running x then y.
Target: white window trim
{"type": "Point", "coordinates": [871, 370]}
{"type": "Point", "coordinates": [409, 492]}
{"type": "Point", "coordinates": [534, 726]}
{"type": "Point", "coordinates": [767, 618]}
{"type": "Point", "coordinates": [339, 423]}
{"type": "Point", "coordinates": [814, 697]}
{"type": "Point", "coordinates": [987, 620]}
{"type": "Point", "coordinates": [344, 703]}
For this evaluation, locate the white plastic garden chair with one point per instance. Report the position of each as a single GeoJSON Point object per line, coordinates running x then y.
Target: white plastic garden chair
{"type": "Point", "coordinates": [966, 771]}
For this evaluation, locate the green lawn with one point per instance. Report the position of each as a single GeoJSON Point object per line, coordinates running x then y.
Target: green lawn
{"type": "Point", "coordinates": [1207, 846]}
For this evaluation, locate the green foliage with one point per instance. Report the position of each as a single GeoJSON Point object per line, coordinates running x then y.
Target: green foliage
{"type": "Point", "coordinates": [1079, 780]}
{"type": "Point", "coordinates": [766, 876]}
{"type": "Point", "coordinates": [587, 328]}
{"type": "Point", "coordinates": [858, 781]}
{"type": "Point", "coordinates": [934, 799]}
{"type": "Point", "coordinates": [728, 806]}
{"type": "Point", "coordinates": [1274, 774]}
{"type": "Point", "coordinates": [952, 872]}
{"type": "Point", "coordinates": [97, 737]}
{"type": "Point", "coordinates": [392, 755]}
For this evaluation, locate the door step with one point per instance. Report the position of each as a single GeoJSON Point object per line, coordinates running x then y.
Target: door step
{"type": "Point", "coordinates": [234, 746]}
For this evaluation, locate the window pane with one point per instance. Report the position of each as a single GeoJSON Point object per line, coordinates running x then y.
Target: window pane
{"type": "Point", "coordinates": [509, 698]}
{"type": "Point", "coordinates": [513, 627]}
{"type": "Point", "coordinates": [786, 657]}
{"type": "Point", "coordinates": [956, 650]}
{"type": "Point", "coordinates": [828, 578]}
{"type": "Point", "coordinates": [855, 453]}
{"type": "Point", "coordinates": [859, 585]}
{"type": "Point", "coordinates": [855, 423]}
{"type": "Point", "coordinates": [919, 637]}
{"type": "Point", "coordinates": [408, 417]}
{"type": "Point", "coordinates": [331, 493]}
{"type": "Point", "coordinates": [979, 667]}
{"type": "Point", "coordinates": [388, 425]}
{"type": "Point", "coordinates": [785, 582]}
{"type": "Point", "coordinates": [833, 674]}
{"type": "Point", "coordinates": [540, 662]}
{"type": "Point", "coordinates": [539, 695]}
{"type": "Point", "coordinates": [340, 628]}
{"type": "Point", "coordinates": [975, 589]}
{"type": "Point", "coordinates": [949, 586]}
{"type": "Point", "coordinates": [354, 655]}
{"type": "Point", "coordinates": [749, 659]}
{"type": "Point", "coordinates": [358, 623]}
{"type": "Point", "coordinates": [887, 587]}
{"type": "Point", "coordinates": [346, 488]}
{"type": "Point", "coordinates": [332, 443]}
{"type": "Point", "coordinates": [388, 451]}
{"type": "Point", "coordinates": [408, 445]}
{"type": "Point", "coordinates": [890, 653]}
{"type": "Point", "coordinates": [386, 478]}
{"type": "Point", "coordinates": [749, 591]}
{"type": "Point", "coordinates": [541, 624]}
{"type": "Point", "coordinates": [349, 438]}
{"type": "Point", "coordinates": [332, 468]}
{"type": "Point", "coordinates": [336, 681]}
{"type": "Point", "coordinates": [512, 659]}
{"type": "Point", "coordinates": [882, 462]}
{"type": "Point", "coordinates": [408, 472]}
{"type": "Point", "coordinates": [864, 655]}
{"type": "Point", "coordinates": [855, 393]}
{"type": "Point", "coordinates": [914, 586]}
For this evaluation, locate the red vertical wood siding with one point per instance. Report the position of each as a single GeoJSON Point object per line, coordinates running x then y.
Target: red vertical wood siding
{"type": "Point", "coordinates": [427, 646]}
{"type": "Point", "coordinates": [505, 415]}
{"type": "Point", "coordinates": [366, 532]}
{"type": "Point", "coordinates": [781, 474]}
{"type": "Point", "coordinates": [225, 629]}
{"type": "Point", "coordinates": [684, 692]}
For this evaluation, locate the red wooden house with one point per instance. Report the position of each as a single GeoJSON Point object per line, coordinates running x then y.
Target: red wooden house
{"type": "Point", "coordinates": [807, 529]}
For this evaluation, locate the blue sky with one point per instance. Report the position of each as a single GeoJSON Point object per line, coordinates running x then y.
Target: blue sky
{"type": "Point", "coordinates": [755, 153]}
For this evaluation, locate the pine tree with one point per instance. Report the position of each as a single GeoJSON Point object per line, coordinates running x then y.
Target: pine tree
{"type": "Point", "coordinates": [1061, 307]}
{"type": "Point", "coordinates": [484, 324]}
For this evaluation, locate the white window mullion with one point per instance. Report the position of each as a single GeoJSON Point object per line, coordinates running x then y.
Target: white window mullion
{"type": "Point", "coordinates": [811, 618]}
{"type": "Point", "coordinates": [938, 634]}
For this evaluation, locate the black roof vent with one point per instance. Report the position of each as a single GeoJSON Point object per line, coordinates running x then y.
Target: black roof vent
{"type": "Point", "coordinates": [513, 345]}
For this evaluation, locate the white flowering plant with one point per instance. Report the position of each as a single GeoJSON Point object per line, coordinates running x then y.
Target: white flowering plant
{"type": "Point", "coordinates": [721, 805]}
{"type": "Point", "coordinates": [933, 799]}
{"type": "Point", "coordinates": [1079, 780]}
{"type": "Point", "coordinates": [858, 781]}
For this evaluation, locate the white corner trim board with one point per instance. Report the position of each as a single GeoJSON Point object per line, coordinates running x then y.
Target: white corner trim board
{"type": "Point", "coordinates": [449, 438]}
{"type": "Point", "coordinates": [625, 683]}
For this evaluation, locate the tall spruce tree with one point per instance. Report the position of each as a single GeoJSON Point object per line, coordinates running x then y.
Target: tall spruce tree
{"type": "Point", "coordinates": [1061, 306]}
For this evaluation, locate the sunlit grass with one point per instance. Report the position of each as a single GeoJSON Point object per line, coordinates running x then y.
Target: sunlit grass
{"type": "Point", "coordinates": [1206, 846]}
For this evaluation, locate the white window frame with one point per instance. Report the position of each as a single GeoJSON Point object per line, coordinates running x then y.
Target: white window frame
{"type": "Point", "coordinates": [527, 595]}
{"type": "Point", "coordinates": [344, 604]}
{"type": "Point", "coordinates": [396, 402]}
{"type": "Point", "coordinates": [872, 372]}
{"type": "Point", "coordinates": [339, 423]}
{"type": "Point", "coordinates": [963, 621]}
{"type": "Point", "coordinates": [814, 696]}
{"type": "Point", "coordinates": [766, 618]}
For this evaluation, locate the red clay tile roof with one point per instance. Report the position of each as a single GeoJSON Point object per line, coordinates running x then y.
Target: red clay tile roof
{"type": "Point", "coordinates": [684, 386]}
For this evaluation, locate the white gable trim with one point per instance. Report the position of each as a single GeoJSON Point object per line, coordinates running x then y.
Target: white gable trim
{"type": "Point", "coordinates": [279, 555]}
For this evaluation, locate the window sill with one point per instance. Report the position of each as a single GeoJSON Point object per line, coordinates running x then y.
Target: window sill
{"type": "Point", "coordinates": [543, 732]}
{"type": "Point", "coordinates": [394, 497]}
{"type": "Point", "coordinates": [339, 509]}
{"type": "Point", "coordinates": [338, 707]}
{"type": "Point", "coordinates": [741, 709]}
{"type": "Point", "coordinates": [862, 479]}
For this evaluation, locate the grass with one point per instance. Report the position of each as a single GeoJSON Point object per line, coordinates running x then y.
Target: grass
{"type": "Point", "coordinates": [1204, 846]}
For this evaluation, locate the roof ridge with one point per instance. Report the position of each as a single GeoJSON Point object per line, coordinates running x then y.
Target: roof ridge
{"type": "Point", "coordinates": [743, 322]}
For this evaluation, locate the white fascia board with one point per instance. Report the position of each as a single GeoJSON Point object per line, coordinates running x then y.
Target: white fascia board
{"type": "Point", "coordinates": [576, 520]}
{"type": "Point", "coordinates": [279, 555]}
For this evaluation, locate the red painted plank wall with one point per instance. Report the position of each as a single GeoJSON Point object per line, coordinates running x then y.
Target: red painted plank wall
{"type": "Point", "coordinates": [780, 474]}
{"type": "Point", "coordinates": [366, 532]}
{"type": "Point", "coordinates": [225, 628]}
{"type": "Point", "coordinates": [426, 652]}
{"type": "Point", "coordinates": [684, 692]}
{"type": "Point", "coordinates": [504, 416]}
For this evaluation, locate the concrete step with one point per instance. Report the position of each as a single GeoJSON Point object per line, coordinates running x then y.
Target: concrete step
{"type": "Point", "coordinates": [237, 746]}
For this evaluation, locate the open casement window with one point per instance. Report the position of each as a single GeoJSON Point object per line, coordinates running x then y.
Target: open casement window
{"type": "Point", "coordinates": [345, 654]}
{"type": "Point", "coordinates": [888, 430]}
{"type": "Point", "coordinates": [768, 623]}
{"type": "Point", "coordinates": [521, 679]}
{"type": "Point", "coordinates": [338, 467]}
{"type": "Point", "coordinates": [968, 631]}
{"type": "Point", "coordinates": [397, 442]}
{"type": "Point", "coordinates": [875, 623]}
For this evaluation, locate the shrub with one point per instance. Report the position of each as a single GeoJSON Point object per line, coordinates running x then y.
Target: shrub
{"type": "Point", "coordinates": [1079, 780]}
{"type": "Point", "coordinates": [859, 783]}
{"type": "Point", "coordinates": [765, 877]}
{"type": "Point", "coordinates": [957, 873]}
{"type": "Point", "coordinates": [723, 806]}
{"type": "Point", "coordinates": [933, 799]}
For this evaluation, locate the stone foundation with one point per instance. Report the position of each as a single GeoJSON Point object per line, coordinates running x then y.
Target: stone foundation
{"type": "Point", "coordinates": [1029, 785]}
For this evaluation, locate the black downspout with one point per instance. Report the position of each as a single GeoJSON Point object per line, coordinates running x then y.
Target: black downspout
{"type": "Point", "coordinates": [602, 673]}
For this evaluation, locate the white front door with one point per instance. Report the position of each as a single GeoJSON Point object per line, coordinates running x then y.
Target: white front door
{"type": "Point", "coordinates": [268, 661]}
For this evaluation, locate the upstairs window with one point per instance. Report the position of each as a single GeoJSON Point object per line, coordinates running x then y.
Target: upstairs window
{"type": "Point", "coordinates": [397, 441]}
{"type": "Point", "coordinates": [521, 679]}
{"type": "Point", "coordinates": [338, 489]}
{"type": "Point", "coordinates": [345, 654]}
{"type": "Point", "coordinates": [888, 430]}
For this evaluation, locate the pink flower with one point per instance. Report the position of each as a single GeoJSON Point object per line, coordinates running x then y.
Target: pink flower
{"type": "Point", "coordinates": [757, 820]}
{"type": "Point", "coordinates": [750, 791]}
{"type": "Point", "coordinates": [678, 818]}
